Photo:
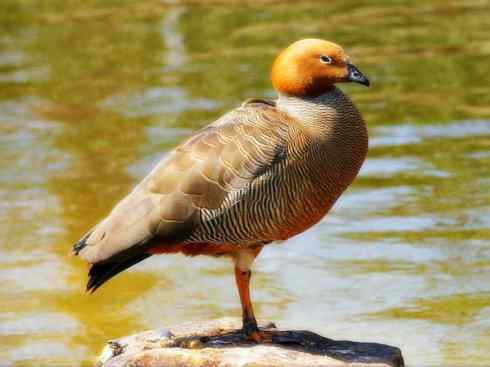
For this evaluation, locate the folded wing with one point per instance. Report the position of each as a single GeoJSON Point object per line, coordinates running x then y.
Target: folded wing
{"type": "Point", "coordinates": [210, 171]}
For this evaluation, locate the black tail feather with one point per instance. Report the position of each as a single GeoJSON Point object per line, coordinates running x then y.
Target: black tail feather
{"type": "Point", "coordinates": [81, 244]}
{"type": "Point", "coordinates": [101, 273]}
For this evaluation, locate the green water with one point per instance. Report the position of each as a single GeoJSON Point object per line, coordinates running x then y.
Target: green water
{"type": "Point", "coordinates": [93, 94]}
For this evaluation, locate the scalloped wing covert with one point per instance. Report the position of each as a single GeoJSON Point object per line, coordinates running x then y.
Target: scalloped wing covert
{"type": "Point", "coordinates": [212, 171]}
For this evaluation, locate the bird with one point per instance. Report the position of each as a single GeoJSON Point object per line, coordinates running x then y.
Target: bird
{"type": "Point", "coordinates": [262, 173]}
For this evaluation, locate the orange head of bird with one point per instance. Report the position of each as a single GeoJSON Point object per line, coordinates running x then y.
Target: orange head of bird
{"type": "Point", "coordinates": [311, 67]}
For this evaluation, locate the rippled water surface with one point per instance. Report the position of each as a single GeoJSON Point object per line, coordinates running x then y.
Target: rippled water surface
{"type": "Point", "coordinates": [93, 94]}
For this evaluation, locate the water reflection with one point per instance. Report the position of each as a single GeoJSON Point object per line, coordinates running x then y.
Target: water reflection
{"type": "Point", "coordinates": [92, 95]}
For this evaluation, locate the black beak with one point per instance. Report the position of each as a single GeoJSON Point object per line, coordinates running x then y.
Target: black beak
{"type": "Point", "coordinates": [354, 75]}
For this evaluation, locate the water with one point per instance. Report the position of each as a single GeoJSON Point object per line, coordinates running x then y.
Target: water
{"type": "Point", "coordinates": [93, 94]}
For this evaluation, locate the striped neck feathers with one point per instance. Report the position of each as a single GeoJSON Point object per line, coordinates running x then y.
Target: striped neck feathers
{"type": "Point", "coordinates": [321, 114]}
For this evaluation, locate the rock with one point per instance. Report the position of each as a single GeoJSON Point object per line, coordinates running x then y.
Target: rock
{"type": "Point", "coordinates": [220, 343]}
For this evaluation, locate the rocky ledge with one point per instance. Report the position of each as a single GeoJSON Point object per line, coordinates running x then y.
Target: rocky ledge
{"type": "Point", "coordinates": [220, 343]}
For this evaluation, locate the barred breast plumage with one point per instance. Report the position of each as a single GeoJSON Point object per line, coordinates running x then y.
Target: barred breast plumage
{"type": "Point", "coordinates": [265, 171]}
{"type": "Point", "coordinates": [319, 149]}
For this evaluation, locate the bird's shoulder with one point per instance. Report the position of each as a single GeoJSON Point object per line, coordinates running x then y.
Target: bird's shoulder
{"type": "Point", "coordinates": [220, 159]}
{"type": "Point", "coordinates": [223, 155]}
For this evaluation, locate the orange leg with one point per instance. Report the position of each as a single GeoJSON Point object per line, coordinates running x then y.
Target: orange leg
{"type": "Point", "coordinates": [243, 262]}
{"type": "Point", "coordinates": [250, 328]}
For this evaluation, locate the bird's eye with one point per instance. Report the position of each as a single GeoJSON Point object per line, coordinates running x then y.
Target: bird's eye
{"type": "Point", "coordinates": [326, 59]}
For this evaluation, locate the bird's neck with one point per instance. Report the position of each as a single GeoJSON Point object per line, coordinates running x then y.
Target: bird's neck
{"type": "Point", "coordinates": [321, 114]}
{"type": "Point", "coordinates": [336, 125]}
